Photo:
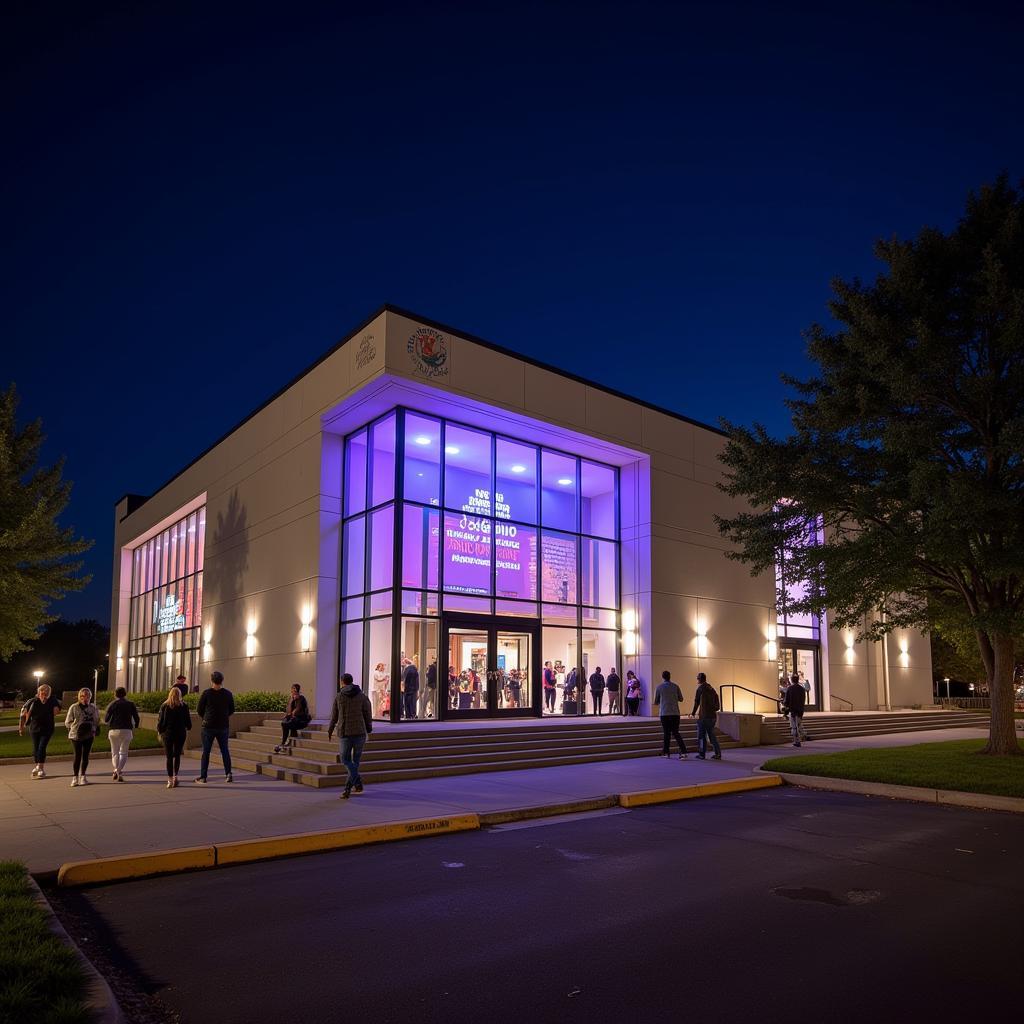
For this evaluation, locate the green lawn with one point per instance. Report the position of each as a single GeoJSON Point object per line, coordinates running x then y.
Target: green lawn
{"type": "Point", "coordinates": [953, 765]}
{"type": "Point", "coordinates": [9, 717]}
{"type": "Point", "coordinates": [41, 979]}
{"type": "Point", "coordinates": [13, 745]}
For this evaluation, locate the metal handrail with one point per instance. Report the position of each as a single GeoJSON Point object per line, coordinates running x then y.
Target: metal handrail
{"type": "Point", "coordinates": [746, 689]}
{"type": "Point", "coordinates": [842, 700]}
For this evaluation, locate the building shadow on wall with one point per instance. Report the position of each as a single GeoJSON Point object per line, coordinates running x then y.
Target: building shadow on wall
{"type": "Point", "coordinates": [230, 564]}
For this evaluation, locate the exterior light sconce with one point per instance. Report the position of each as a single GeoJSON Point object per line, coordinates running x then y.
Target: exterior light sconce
{"type": "Point", "coordinates": [904, 654]}
{"type": "Point", "coordinates": [849, 649]}
{"type": "Point", "coordinates": [169, 655]}
{"type": "Point", "coordinates": [250, 639]}
{"type": "Point", "coordinates": [306, 633]}
{"type": "Point", "coordinates": [773, 647]}
{"type": "Point", "coordinates": [207, 646]}
{"type": "Point", "coordinates": [702, 639]}
{"type": "Point", "coordinates": [119, 663]}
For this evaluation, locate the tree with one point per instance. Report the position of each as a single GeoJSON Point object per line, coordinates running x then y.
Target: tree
{"type": "Point", "coordinates": [70, 653]}
{"type": "Point", "coordinates": [37, 563]}
{"type": "Point", "coordinates": [907, 448]}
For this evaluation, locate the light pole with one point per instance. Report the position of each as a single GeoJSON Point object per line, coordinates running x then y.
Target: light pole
{"type": "Point", "coordinates": [945, 679]}
{"type": "Point", "coordinates": [39, 673]}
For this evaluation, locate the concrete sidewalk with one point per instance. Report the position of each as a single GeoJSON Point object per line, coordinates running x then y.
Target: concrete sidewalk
{"type": "Point", "coordinates": [47, 823]}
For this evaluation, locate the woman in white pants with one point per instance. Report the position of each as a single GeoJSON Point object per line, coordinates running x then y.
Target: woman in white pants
{"type": "Point", "coordinates": [123, 719]}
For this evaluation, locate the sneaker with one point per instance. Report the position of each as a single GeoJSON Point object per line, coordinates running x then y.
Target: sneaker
{"type": "Point", "coordinates": [357, 788]}
{"type": "Point", "coordinates": [347, 793]}
{"type": "Point", "coordinates": [74, 781]}
{"type": "Point", "coordinates": [666, 755]}
{"type": "Point", "coordinates": [170, 784]}
{"type": "Point", "coordinates": [200, 780]}
{"type": "Point", "coordinates": [83, 781]}
{"type": "Point", "coordinates": [113, 775]}
{"type": "Point", "coordinates": [35, 771]}
{"type": "Point", "coordinates": [797, 744]}
{"type": "Point", "coordinates": [682, 757]}
{"type": "Point", "coordinates": [175, 781]}
{"type": "Point", "coordinates": [120, 776]}
{"type": "Point", "coordinates": [41, 774]}
{"type": "Point", "coordinates": [700, 757]}
{"type": "Point", "coordinates": [716, 757]}
{"type": "Point", "coordinates": [227, 778]}
{"type": "Point", "coordinates": [277, 750]}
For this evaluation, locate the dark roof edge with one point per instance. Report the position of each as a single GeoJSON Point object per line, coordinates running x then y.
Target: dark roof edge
{"type": "Point", "coordinates": [399, 311]}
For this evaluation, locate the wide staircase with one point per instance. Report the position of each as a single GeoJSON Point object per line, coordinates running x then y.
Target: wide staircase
{"type": "Point", "coordinates": [409, 752]}
{"type": "Point", "coordinates": [850, 724]}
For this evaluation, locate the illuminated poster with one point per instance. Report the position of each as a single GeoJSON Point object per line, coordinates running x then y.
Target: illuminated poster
{"type": "Point", "coordinates": [559, 574]}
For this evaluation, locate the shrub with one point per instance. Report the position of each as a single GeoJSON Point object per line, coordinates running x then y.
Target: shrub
{"type": "Point", "coordinates": [257, 700]}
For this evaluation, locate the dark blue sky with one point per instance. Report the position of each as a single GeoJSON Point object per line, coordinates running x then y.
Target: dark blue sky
{"type": "Point", "coordinates": [199, 200]}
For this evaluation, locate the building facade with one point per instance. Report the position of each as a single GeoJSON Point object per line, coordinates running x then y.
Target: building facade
{"type": "Point", "coordinates": [472, 535]}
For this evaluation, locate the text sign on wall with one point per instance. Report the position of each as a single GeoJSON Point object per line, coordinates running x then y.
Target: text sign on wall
{"type": "Point", "coordinates": [171, 615]}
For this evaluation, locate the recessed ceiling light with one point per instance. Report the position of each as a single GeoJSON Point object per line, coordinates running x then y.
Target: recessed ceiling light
{"type": "Point", "coordinates": [450, 449]}
{"type": "Point", "coordinates": [419, 474]}
{"type": "Point", "coordinates": [422, 439]}
{"type": "Point", "coordinates": [565, 481]}
{"type": "Point", "coordinates": [518, 469]}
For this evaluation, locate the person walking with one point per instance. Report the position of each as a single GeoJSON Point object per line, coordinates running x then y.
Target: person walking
{"type": "Point", "coordinates": [597, 684]}
{"type": "Point", "coordinates": [37, 716]}
{"type": "Point", "coordinates": [614, 686]}
{"type": "Point", "coordinates": [83, 722]}
{"type": "Point", "coordinates": [352, 716]}
{"type": "Point", "coordinates": [296, 717]}
{"type": "Point", "coordinates": [216, 706]}
{"type": "Point", "coordinates": [548, 681]}
{"type": "Point", "coordinates": [667, 698]}
{"type": "Point", "coordinates": [172, 726]}
{"type": "Point", "coordinates": [705, 708]}
{"type": "Point", "coordinates": [634, 693]}
{"type": "Point", "coordinates": [122, 720]}
{"type": "Point", "coordinates": [410, 688]}
{"type": "Point", "coordinates": [794, 702]}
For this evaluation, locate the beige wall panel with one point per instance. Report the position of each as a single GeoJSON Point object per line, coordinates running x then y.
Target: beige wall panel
{"type": "Point", "coordinates": [367, 351]}
{"type": "Point", "coordinates": [683, 504]}
{"type": "Point", "coordinates": [613, 417]}
{"type": "Point", "coordinates": [267, 672]}
{"type": "Point", "coordinates": [328, 383]}
{"type": "Point", "coordinates": [663, 433]}
{"type": "Point", "coordinates": [672, 626]}
{"type": "Point", "coordinates": [708, 475]}
{"type": "Point", "coordinates": [707, 446]}
{"type": "Point", "coordinates": [735, 630]}
{"type": "Point", "coordinates": [696, 569]}
{"type": "Point", "coordinates": [488, 375]}
{"type": "Point", "coordinates": [850, 682]}
{"type": "Point", "coordinates": [672, 464]}
{"type": "Point", "coordinates": [551, 397]}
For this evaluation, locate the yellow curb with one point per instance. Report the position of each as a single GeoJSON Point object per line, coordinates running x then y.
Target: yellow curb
{"type": "Point", "coordinates": [663, 796]}
{"type": "Point", "coordinates": [246, 850]}
{"type": "Point", "coordinates": [139, 865]}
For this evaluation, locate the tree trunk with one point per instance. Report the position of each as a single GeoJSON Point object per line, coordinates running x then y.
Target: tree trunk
{"type": "Point", "coordinates": [1002, 737]}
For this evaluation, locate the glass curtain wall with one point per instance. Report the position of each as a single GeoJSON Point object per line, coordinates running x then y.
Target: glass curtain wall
{"type": "Point", "coordinates": [442, 516]}
{"type": "Point", "coordinates": [166, 605]}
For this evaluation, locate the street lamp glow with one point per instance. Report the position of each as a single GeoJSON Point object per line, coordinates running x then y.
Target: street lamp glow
{"type": "Point", "coordinates": [39, 673]}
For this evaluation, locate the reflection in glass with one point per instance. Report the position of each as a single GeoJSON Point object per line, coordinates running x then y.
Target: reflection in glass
{"type": "Point", "coordinates": [558, 491]}
{"type": "Point", "coordinates": [382, 465]}
{"type": "Point", "coordinates": [422, 469]}
{"type": "Point", "coordinates": [515, 489]}
{"type": "Point", "coordinates": [355, 473]}
{"type": "Point", "coordinates": [467, 470]}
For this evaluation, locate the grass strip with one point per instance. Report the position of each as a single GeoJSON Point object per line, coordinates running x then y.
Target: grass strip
{"type": "Point", "coordinates": [953, 765]}
{"type": "Point", "coordinates": [41, 979]}
{"type": "Point", "coordinates": [13, 745]}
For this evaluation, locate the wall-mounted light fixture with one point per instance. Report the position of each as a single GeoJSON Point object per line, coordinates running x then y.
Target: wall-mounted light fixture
{"type": "Point", "coordinates": [629, 633]}
{"type": "Point", "coordinates": [169, 656]}
{"type": "Point", "coordinates": [207, 645]}
{"type": "Point", "coordinates": [119, 664]}
{"type": "Point", "coordinates": [773, 647]}
{"type": "Point", "coordinates": [849, 649]}
{"type": "Point", "coordinates": [306, 633]}
{"type": "Point", "coordinates": [250, 639]}
{"type": "Point", "coordinates": [702, 638]}
{"type": "Point", "coordinates": [904, 653]}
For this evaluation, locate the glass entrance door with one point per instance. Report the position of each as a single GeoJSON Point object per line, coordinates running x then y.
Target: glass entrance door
{"type": "Point", "coordinates": [490, 668]}
{"type": "Point", "coordinates": [804, 662]}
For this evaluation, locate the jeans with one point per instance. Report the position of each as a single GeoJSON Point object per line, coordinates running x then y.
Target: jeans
{"type": "Point", "coordinates": [705, 732]}
{"type": "Point", "coordinates": [351, 754]}
{"type": "Point", "coordinates": [796, 726]}
{"type": "Point", "coordinates": [290, 727]}
{"type": "Point", "coordinates": [613, 702]}
{"type": "Point", "coordinates": [39, 742]}
{"type": "Point", "coordinates": [409, 703]}
{"type": "Point", "coordinates": [427, 702]}
{"type": "Point", "coordinates": [173, 746]}
{"type": "Point", "coordinates": [82, 748]}
{"type": "Point", "coordinates": [549, 698]}
{"type": "Point", "coordinates": [670, 727]}
{"type": "Point", "coordinates": [120, 741]}
{"type": "Point", "coordinates": [632, 705]}
{"type": "Point", "coordinates": [221, 736]}
{"type": "Point", "coordinates": [597, 701]}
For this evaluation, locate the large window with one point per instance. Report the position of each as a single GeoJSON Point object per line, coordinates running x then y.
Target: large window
{"type": "Point", "coordinates": [167, 605]}
{"type": "Point", "coordinates": [470, 521]}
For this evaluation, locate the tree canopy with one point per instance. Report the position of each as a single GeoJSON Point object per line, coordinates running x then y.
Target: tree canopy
{"type": "Point", "coordinates": [37, 554]}
{"type": "Point", "coordinates": [908, 448]}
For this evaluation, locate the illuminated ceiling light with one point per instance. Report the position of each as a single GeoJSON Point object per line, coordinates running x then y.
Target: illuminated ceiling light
{"type": "Point", "coordinates": [518, 469]}
{"type": "Point", "coordinates": [565, 481]}
{"type": "Point", "coordinates": [422, 439]}
{"type": "Point", "coordinates": [451, 449]}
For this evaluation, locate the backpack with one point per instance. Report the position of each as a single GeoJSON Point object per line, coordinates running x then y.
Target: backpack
{"type": "Point", "coordinates": [714, 704]}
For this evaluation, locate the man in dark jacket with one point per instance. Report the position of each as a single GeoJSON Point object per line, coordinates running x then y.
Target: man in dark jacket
{"type": "Point", "coordinates": [410, 688]}
{"type": "Point", "coordinates": [122, 718]}
{"type": "Point", "coordinates": [614, 684]}
{"type": "Point", "coordinates": [794, 701]}
{"type": "Point", "coordinates": [352, 716]}
{"type": "Point", "coordinates": [705, 707]}
{"type": "Point", "coordinates": [428, 698]}
{"type": "Point", "coordinates": [216, 706]}
{"type": "Point", "coordinates": [597, 691]}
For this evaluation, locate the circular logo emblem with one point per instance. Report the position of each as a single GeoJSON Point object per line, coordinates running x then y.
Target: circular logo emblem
{"type": "Point", "coordinates": [429, 351]}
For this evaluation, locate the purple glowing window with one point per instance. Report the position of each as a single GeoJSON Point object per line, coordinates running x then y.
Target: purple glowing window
{"type": "Point", "coordinates": [515, 486]}
{"type": "Point", "coordinates": [600, 570]}
{"type": "Point", "coordinates": [382, 460]}
{"type": "Point", "coordinates": [382, 548]}
{"type": "Point", "coordinates": [597, 499]}
{"type": "Point", "coordinates": [515, 561]}
{"type": "Point", "coordinates": [558, 491]}
{"type": "Point", "coordinates": [353, 556]}
{"type": "Point", "coordinates": [467, 554]}
{"type": "Point", "coordinates": [422, 467]}
{"type": "Point", "coordinates": [355, 473]}
{"type": "Point", "coordinates": [420, 529]}
{"type": "Point", "coordinates": [467, 470]}
{"type": "Point", "coordinates": [558, 568]}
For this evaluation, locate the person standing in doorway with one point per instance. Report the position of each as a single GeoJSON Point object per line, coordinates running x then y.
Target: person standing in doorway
{"type": "Point", "coordinates": [216, 706]}
{"type": "Point", "coordinates": [172, 726]}
{"type": "Point", "coordinates": [597, 684]}
{"type": "Point", "coordinates": [182, 684]}
{"type": "Point", "coordinates": [614, 685]}
{"type": "Point", "coordinates": [122, 720]}
{"type": "Point", "coordinates": [548, 682]}
{"type": "Point", "coordinates": [667, 698]}
{"type": "Point", "coordinates": [83, 722]}
{"type": "Point", "coordinates": [410, 688]}
{"type": "Point", "coordinates": [794, 702]}
{"type": "Point", "coordinates": [428, 694]}
{"type": "Point", "coordinates": [38, 717]}
{"type": "Point", "coordinates": [705, 708]}
{"type": "Point", "coordinates": [352, 716]}
{"type": "Point", "coordinates": [634, 693]}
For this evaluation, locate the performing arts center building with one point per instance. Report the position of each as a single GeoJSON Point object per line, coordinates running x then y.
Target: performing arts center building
{"type": "Point", "coordinates": [422, 504]}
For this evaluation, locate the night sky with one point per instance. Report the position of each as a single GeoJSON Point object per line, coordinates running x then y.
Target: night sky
{"type": "Point", "coordinates": [199, 200]}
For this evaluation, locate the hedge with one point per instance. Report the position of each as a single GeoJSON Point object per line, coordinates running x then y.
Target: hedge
{"type": "Point", "coordinates": [255, 700]}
